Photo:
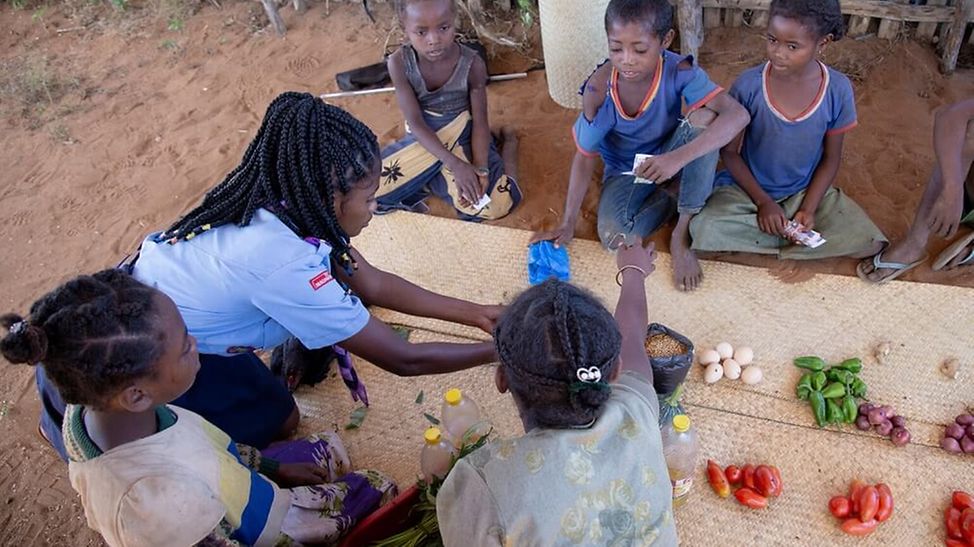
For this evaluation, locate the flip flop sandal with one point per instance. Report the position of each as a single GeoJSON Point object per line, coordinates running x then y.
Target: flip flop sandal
{"type": "Point", "coordinates": [898, 268]}
{"type": "Point", "coordinates": [953, 250]}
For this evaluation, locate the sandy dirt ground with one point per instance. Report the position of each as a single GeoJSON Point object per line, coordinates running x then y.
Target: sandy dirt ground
{"type": "Point", "coordinates": [115, 125]}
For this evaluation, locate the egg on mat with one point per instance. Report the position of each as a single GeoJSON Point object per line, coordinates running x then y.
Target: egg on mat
{"type": "Point", "coordinates": [708, 357]}
{"type": "Point", "coordinates": [752, 375]}
{"type": "Point", "coordinates": [744, 356]}
{"type": "Point", "coordinates": [725, 350]}
{"type": "Point", "coordinates": [732, 370]}
{"type": "Point", "coordinates": [713, 373]}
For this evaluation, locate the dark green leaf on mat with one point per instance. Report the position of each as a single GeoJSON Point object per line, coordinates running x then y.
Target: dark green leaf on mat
{"type": "Point", "coordinates": [432, 419]}
{"type": "Point", "coordinates": [420, 397]}
{"type": "Point", "coordinates": [356, 418]}
{"type": "Point", "coordinates": [402, 331]}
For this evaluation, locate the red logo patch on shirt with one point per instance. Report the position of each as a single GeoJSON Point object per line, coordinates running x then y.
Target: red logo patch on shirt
{"type": "Point", "coordinates": [321, 280]}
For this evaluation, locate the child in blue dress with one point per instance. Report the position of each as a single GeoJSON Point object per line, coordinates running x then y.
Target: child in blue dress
{"type": "Point", "coordinates": [634, 104]}
{"type": "Point", "coordinates": [150, 473]}
{"type": "Point", "coordinates": [449, 150]}
{"type": "Point", "coordinates": [783, 166]}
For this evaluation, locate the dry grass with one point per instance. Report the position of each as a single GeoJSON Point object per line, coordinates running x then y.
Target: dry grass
{"type": "Point", "coordinates": [32, 88]}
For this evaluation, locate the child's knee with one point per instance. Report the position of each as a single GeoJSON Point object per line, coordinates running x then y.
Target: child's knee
{"type": "Point", "coordinates": [702, 117]}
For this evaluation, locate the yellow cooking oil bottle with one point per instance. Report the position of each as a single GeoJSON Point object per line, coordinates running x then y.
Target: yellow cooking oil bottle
{"type": "Point", "coordinates": [680, 446]}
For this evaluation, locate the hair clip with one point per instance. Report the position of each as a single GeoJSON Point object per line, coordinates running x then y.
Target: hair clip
{"type": "Point", "coordinates": [590, 375]}
{"type": "Point", "coordinates": [18, 327]}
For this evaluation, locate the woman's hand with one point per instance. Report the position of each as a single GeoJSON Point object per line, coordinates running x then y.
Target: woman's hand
{"type": "Point", "coordinates": [290, 475]}
{"type": "Point", "coordinates": [635, 255]}
{"type": "Point", "coordinates": [486, 320]}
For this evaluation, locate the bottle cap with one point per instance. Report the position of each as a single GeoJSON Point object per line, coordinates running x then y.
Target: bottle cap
{"type": "Point", "coordinates": [432, 435]}
{"type": "Point", "coordinates": [453, 396]}
{"type": "Point", "coordinates": [681, 423]}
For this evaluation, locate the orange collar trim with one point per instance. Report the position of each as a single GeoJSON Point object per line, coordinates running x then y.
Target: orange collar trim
{"type": "Point", "coordinates": [809, 110]}
{"type": "Point", "coordinates": [647, 100]}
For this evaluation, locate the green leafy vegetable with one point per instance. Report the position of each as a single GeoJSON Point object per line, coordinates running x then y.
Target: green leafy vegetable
{"type": "Point", "coordinates": [356, 418]}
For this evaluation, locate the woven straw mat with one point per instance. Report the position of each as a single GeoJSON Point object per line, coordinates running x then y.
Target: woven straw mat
{"type": "Point", "coordinates": [574, 43]}
{"type": "Point", "coordinates": [835, 317]}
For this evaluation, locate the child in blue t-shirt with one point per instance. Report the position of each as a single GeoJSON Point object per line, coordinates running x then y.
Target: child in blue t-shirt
{"type": "Point", "coordinates": [782, 168]}
{"type": "Point", "coordinates": [634, 104]}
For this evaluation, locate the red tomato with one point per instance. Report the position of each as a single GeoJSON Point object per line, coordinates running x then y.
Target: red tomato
{"type": "Point", "coordinates": [967, 524]}
{"type": "Point", "coordinates": [715, 475]}
{"type": "Point", "coordinates": [962, 500]}
{"type": "Point", "coordinates": [868, 503]}
{"type": "Point", "coordinates": [733, 474]}
{"type": "Point", "coordinates": [778, 485]}
{"type": "Point", "coordinates": [952, 521]}
{"type": "Point", "coordinates": [764, 481]}
{"type": "Point", "coordinates": [747, 473]}
{"type": "Point", "coordinates": [885, 509]}
{"type": "Point", "coordinates": [856, 527]}
{"type": "Point", "coordinates": [955, 543]}
{"type": "Point", "coordinates": [840, 507]}
{"type": "Point", "coordinates": [750, 498]}
{"type": "Point", "coordinates": [855, 490]}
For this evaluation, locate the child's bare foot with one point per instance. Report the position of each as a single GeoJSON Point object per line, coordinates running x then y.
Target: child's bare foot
{"type": "Point", "coordinates": [904, 252]}
{"type": "Point", "coordinates": [687, 274]}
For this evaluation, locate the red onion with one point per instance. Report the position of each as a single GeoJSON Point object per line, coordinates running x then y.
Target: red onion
{"type": "Point", "coordinates": [900, 436]}
{"type": "Point", "coordinates": [950, 444]}
{"type": "Point", "coordinates": [954, 431]}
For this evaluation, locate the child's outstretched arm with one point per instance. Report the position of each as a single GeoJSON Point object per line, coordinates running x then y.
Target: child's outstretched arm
{"type": "Point", "coordinates": [771, 217]}
{"type": "Point", "coordinates": [465, 174]}
{"type": "Point", "coordinates": [635, 263]}
{"type": "Point", "coordinates": [949, 135]}
{"type": "Point", "coordinates": [822, 179]}
{"type": "Point", "coordinates": [388, 290]}
{"type": "Point", "coordinates": [583, 163]}
{"type": "Point", "coordinates": [731, 119]}
{"type": "Point", "coordinates": [480, 135]}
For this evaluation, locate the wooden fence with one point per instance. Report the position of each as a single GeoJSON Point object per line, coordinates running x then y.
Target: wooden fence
{"type": "Point", "coordinates": [943, 22]}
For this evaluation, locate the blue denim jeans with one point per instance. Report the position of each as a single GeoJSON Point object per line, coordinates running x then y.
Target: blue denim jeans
{"type": "Point", "coordinates": [628, 209]}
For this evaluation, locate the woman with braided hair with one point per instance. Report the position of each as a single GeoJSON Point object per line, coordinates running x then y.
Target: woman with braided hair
{"type": "Point", "coordinates": [151, 473]}
{"type": "Point", "coordinates": [267, 256]}
{"type": "Point", "coordinates": [590, 467]}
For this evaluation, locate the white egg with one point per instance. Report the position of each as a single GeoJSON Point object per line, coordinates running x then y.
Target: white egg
{"type": "Point", "coordinates": [707, 357]}
{"type": "Point", "coordinates": [713, 373]}
{"type": "Point", "coordinates": [732, 370]}
{"type": "Point", "coordinates": [744, 355]}
{"type": "Point", "coordinates": [752, 375]}
{"type": "Point", "coordinates": [725, 350]}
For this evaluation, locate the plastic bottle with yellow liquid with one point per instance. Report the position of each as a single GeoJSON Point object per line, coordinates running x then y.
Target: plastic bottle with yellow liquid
{"type": "Point", "coordinates": [437, 453]}
{"type": "Point", "coordinates": [680, 447]}
{"type": "Point", "coordinates": [461, 416]}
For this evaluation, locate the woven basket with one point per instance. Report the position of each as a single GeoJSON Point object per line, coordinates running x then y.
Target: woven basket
{"type": "Point", "coordinates": [573, 37]}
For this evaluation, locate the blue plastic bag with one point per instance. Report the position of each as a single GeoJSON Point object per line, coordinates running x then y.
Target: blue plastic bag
{"type": "Point", "coordinates": [546, 261]}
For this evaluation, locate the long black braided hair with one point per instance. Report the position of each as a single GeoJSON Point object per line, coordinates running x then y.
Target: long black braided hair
{"type": "Point", "coordinates": [544, 338]}
{"type": "Point", "coordinates": [94, 334]}
{"type": "Point", "coordinates": [304, 151]}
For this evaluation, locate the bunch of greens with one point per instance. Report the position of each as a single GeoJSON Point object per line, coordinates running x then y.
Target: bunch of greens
{"type": "Point", "coordinates": [426, 531]}
{"type": "Point", "coordinates": [831, 390]}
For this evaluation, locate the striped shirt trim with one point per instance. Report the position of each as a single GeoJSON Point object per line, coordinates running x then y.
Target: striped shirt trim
{"type": "Point", "coordinates": [809, 110]}
{"type": "Point", "coordinates": [647, 100]}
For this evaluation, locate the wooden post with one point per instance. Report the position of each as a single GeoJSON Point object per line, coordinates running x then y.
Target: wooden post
{"type": "Point", "coordinates": [733, 17]}
{"type": "Point", "coordinates": [955, 36]}
{"type": "Point", "coordinates": [858, 25]}
{"type": "Point", "coordinates": [928, 30]}
{"type": "Point", "coordinates": [711, 17]}
{"type": "Point", "coordinates": [691, 28]}
{"type": "Point", "coordinates": [300, 5]}
{"type": "Point", "coordinates": [270, 7]}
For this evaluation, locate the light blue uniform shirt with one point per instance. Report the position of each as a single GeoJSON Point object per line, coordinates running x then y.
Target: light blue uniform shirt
{"type": "Point", "coordinates": [240, 289]}
{"type": "Point", "coordinates": [782, 152]}
{"type": "Point", "coordinates": [618, 137]}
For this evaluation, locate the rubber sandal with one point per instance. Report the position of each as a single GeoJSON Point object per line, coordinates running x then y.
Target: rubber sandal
{"type": "Point", "coordinates": [953, 250]}
{"type": "Point", "coordinates": [898, 268]}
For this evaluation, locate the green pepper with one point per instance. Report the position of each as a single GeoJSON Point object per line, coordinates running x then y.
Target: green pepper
{"type": "Point", "coordinates": [804, 387]}
{"type": "Point", "coordinates": [833, 390]}
{"type": "Point", "coordinates": [818, 407]}
{"type": "Point", "coordinates": [812, 363]}
{"type": "Point", "coordinates": [818, 381]}
{"type": "Point", "coordinates": [858, 388]}
{"type": "Point", "coordinates": [840, 375]}
{"type": "Point", "coordinates": [853, 365]}
{"type": "Point", "coordinates": [849, 409]}
{"type": "Point", "coordinates": [833, 412]}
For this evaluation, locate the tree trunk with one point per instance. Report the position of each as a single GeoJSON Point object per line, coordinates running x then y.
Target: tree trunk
{"type": "Point", "coordinates": [271, 9]}
{"type": "Point", "coordinates": [691, 28]}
